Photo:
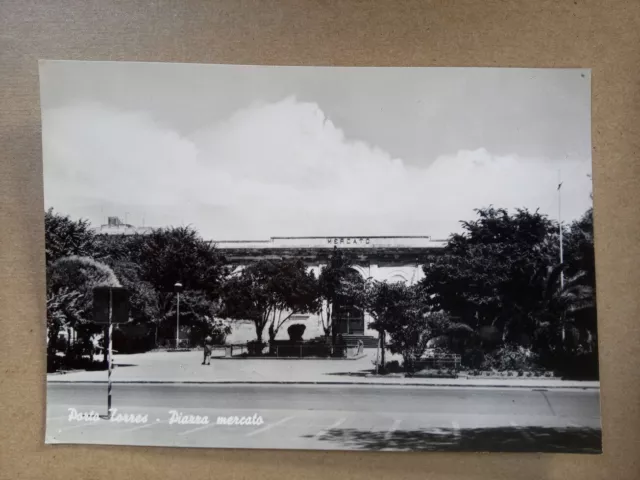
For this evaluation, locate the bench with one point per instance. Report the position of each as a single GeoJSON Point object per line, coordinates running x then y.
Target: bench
{"type": "Point", "coordinates": [440, 361]}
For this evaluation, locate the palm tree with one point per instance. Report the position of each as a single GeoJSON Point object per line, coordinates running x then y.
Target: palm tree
{"type": "Point", "coordinates": [566, 306]}
{"type": "Point", "coordinates": [70, 283]}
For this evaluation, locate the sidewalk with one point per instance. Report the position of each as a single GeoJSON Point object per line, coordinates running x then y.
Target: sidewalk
{"type": "Point", "coordinates": [185, 367]}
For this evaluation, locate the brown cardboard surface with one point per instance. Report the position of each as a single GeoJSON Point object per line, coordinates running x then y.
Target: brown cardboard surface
{"type": "Point", "coordinates": [603, 35]}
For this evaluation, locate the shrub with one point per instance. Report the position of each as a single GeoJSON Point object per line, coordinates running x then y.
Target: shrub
{"type": "Point", "coordinates": [393, 367]}
{"type": "Point", "coordinates": [133, 339]}
{"type": "Point", "coordinates": [473, 358]}
{"type": "Point", "coordinates": [54, 362]}
{"type": "Point", "coordinates": [296, 331]}
{"type": "Point", "coordinates": [509, 358]}
{"type": "Point", "coordinates": [255, 348]}
{"type": "Point", "coordinates": [576, 365]}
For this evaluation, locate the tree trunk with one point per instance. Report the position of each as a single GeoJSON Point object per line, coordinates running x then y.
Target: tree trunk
{"type": "Point", "coordinates": [408, 363]}
{"type": "Point", "coordinates": [382, 348]}
{"type": "Point", "coordinates": [259, 330]}
{"type": "Point", "coordinates": [272, 333]}
{"type": "Point", "coordinates": [272, 338]}
{"type": "Point", "coordinates": [326, 327]}
{"type": "Point", "coordinates": [54, 333]}
{"type": "Point", "coordinates": [68, 350]}
{"type": "Point", "coordinates": [334, 332]}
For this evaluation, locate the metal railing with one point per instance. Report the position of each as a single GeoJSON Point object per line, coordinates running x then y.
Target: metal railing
{"type": "Point", "coordinates": [440, 362]}
{"type": "Point", "coordinates": [320, 350]}
{"type": "Point", "coordinates": [239, 348]}
{"type": "Point", "coordinates": [290, 350]}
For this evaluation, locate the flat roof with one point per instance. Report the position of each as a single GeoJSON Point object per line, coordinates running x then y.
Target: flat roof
{"type": "Point", "coordinates": [329, 242]}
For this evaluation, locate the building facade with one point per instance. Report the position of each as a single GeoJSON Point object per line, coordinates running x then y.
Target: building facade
{"type": "Point", "coordinates": [116, 227]}
{"type": "Point", "coordinates": [383, 258]}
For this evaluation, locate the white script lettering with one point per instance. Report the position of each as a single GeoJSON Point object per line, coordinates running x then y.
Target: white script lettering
{"type": "Point", "coordinates": [181, 419]}
{"type": "Point", "coordinates": [234, 420]}
{"type": "Point", "coordinates": [76, 416]}
{"type": "Point", "coordinates": [127, 417]}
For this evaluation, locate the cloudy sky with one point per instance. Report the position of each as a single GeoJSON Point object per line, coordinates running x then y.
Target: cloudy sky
{"type": "Point", "coordinates": [252, 152]}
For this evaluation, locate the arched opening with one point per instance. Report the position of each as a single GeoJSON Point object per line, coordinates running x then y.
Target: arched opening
{"type": "Point", "coordinates": [398, 278]}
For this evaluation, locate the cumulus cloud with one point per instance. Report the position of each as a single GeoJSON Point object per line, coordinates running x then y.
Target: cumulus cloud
{"type": "Point", "coordinates": [281, 169]}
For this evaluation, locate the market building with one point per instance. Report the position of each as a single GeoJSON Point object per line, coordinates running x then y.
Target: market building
{"type": "Point", "coordinates": [383, 258]}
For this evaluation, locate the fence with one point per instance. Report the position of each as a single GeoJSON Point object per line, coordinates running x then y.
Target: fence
{"type": "Point", "coordinates": [321, 350]}
{"type": "Point", "coordinates": [440, 362]}
{"type": "Point", "coordinates": [228, 350]}
{"type": "Point", "coordinates": [183, 344]}
{"type": "Point", "coordinates": [288, 350]}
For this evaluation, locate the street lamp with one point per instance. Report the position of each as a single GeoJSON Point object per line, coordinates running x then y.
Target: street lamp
{"type": "Point", "coordinates": [177, 288]}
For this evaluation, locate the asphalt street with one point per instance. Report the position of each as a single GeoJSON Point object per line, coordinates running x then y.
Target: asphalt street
{"type": "Point", "coordinates": [344, 417]}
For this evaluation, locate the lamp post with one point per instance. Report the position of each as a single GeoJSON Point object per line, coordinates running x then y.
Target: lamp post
{"type": "Point", "coordinates": [177, 288]}
{"type": "Point", "coordinates": [560, 227]}
{"type": "Point", "coordinates": [561, 242]}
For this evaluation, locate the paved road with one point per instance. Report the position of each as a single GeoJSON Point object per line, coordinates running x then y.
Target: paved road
{"type": "Point", "coordinates": [345, 417]}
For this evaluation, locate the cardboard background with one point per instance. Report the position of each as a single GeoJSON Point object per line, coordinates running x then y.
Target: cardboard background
{"type": "Point", "coordinates": [603, 35]}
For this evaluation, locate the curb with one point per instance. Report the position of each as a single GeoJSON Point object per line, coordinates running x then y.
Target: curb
{"type": "Point", "coordinates": [215, 359]}
{"type": "Point", "coordinates": [234, 382]}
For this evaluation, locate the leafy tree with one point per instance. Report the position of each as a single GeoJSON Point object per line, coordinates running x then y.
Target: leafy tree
{"type": "Point", "coordinates": [72, 272]}
{"type": "Point", "coordinates": [337, 283]}
{"type": "Point", "coordinates": [65, 237]}
{"type": "Point", "coordinates": [62, 310]}
{"type": "Point", "coordinates": [170, 255]}
{"type": "Point", "coordinates": [579, 247]}
{"type": "Point", "coordinates": [153, 263]}
{"type": "Point", "coordinates": [404, 312]}
{"type": "Point", "coordinates": [81, 274]}
{"type": "Point", "coordinates": [269, 292]}
{"type": "Point", "coordinates": [244, 298]}
{"type": "Point", "coordinates": [144, 300]}
{"type": "Point", "coordinates": [292, 289]}
{"type": "Point", "coordinates": [201, 315]}
{"type": "Point", "coordinates": [485, 277]}
{"type": "Point", "coordinates": [382, 301]}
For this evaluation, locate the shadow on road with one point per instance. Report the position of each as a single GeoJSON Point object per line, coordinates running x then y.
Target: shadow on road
{"type": "Point", "coordinates": [499, 439]}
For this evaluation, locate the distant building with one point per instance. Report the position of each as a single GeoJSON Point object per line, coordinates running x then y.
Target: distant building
{"type": "Point", "coordinates": [384, 258]}
{"type": "Point", "coordinates": [115, 227]}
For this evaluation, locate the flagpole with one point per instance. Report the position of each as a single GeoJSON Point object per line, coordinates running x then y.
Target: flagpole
{"type": "Point", "coordinates": [560, 226]}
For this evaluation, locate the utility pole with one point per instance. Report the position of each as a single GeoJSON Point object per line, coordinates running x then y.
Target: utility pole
{"type": "Point", "coordinates": [178, 289]}
{"type": "Point", "coordinates": [560, 226]}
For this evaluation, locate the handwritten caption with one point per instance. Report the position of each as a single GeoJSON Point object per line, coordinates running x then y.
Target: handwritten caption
{"type": "Point", "coordinates": [174, 417]}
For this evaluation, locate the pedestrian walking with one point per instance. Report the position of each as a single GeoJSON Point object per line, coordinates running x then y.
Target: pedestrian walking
{"type": "Point", "coordinates": [207, 350]}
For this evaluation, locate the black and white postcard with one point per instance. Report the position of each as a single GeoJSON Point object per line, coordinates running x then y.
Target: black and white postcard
{"type": "Point", "coordinates": [319, 257]}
